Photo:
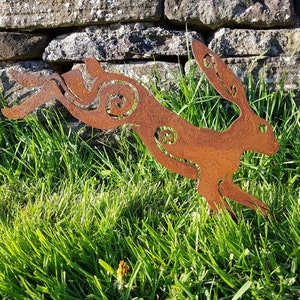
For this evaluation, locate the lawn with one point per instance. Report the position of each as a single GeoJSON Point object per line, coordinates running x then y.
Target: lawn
{"type": "Point", "coordinates": [106, 221]}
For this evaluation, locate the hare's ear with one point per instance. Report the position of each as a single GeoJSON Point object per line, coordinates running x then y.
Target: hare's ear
{"type": "Point", "coordinates": [93, 67]}
{"type": "Point", "coordinates": [219, 74]}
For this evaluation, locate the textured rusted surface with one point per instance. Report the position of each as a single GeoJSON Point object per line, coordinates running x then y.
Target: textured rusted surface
{"type": "Point", "coordinates": [206, 155]}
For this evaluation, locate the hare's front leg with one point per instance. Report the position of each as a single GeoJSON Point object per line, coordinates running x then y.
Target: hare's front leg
{"type": "Point", "coordinates": [232, 191]}
{"type": "Point", "coordinates": [208, 188]}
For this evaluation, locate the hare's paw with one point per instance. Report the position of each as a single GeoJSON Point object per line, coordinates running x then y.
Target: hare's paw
{"type": "Point", "coordinates": [14, 112]}
{"type": "Point", "coordinates": [230, 190]}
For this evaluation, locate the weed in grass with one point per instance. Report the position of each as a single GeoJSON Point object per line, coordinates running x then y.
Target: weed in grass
{"type": "Point", "coordinates": [69, 213]}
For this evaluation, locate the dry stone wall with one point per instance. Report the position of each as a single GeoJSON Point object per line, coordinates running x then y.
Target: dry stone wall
{"type": "Point", "coordinates": [256, 36]}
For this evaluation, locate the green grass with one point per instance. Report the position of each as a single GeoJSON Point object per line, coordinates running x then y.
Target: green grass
{"type": "Point", "coordinates": [70, 212]}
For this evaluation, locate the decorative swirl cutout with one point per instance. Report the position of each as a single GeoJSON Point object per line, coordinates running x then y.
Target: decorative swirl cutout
{"type": "Point", "coordinates": [166, 138]}
{"type": "Point", "coordinates": [166, 135]}
{"type": "Point", "coordinates": [118, 98]}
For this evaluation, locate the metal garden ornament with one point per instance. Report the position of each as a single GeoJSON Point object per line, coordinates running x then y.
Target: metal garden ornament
{"type": "Point", "coordinates": [202, 154]}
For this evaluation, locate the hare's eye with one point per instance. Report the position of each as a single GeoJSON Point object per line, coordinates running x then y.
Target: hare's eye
{"type": "Point", "coordinates": [262, 128]}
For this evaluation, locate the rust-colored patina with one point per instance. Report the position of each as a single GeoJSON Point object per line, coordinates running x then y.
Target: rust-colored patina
{"type": "Point", "coordinates": [175, 143]}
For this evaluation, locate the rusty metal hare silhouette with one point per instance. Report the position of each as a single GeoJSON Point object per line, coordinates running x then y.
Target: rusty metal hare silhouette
{"type": "Point", "coordinates": [202, 154]}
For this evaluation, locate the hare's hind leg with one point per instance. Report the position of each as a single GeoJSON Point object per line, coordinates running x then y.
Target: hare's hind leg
{"type": "Point", "coordinates": [208, 188]}
{"type": "Point", "coordinates": [232, 191]}
{"type": "Point", "coordinates": [48, 92]}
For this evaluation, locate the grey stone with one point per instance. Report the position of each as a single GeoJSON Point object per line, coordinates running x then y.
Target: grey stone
{"type": "Point", "coordinates": [249, 42]}
{"type": "Point", "coordinates": [20, 46]}
{"type": "Point", "coordinates": [273, 70]}
{"type": "Point", "coordinates": [120, 42]}
{"type": "Point", "coordinates": [215, 13]}
{"type": "Point", "coordinates": [56, 13]}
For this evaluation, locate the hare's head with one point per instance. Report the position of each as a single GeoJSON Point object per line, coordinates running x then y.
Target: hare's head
{"type": "Point", "coordinates": [249, 131]}
{"type": "Point", "coordinates": [257, 134]}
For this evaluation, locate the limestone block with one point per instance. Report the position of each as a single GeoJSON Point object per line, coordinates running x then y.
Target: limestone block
{"type": "Point", "coordinates": [271, 69]}
{"type": "Point", "coordinates": [40, 14]}
{"type": "Point", "coordinates": [20, 46]}
{"type": "Point", "coordinates": [119, 42]}
{"type": "Point", "coordinates": [214, 13]}
{"type": "Point", "coordinates": [248, 42]}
